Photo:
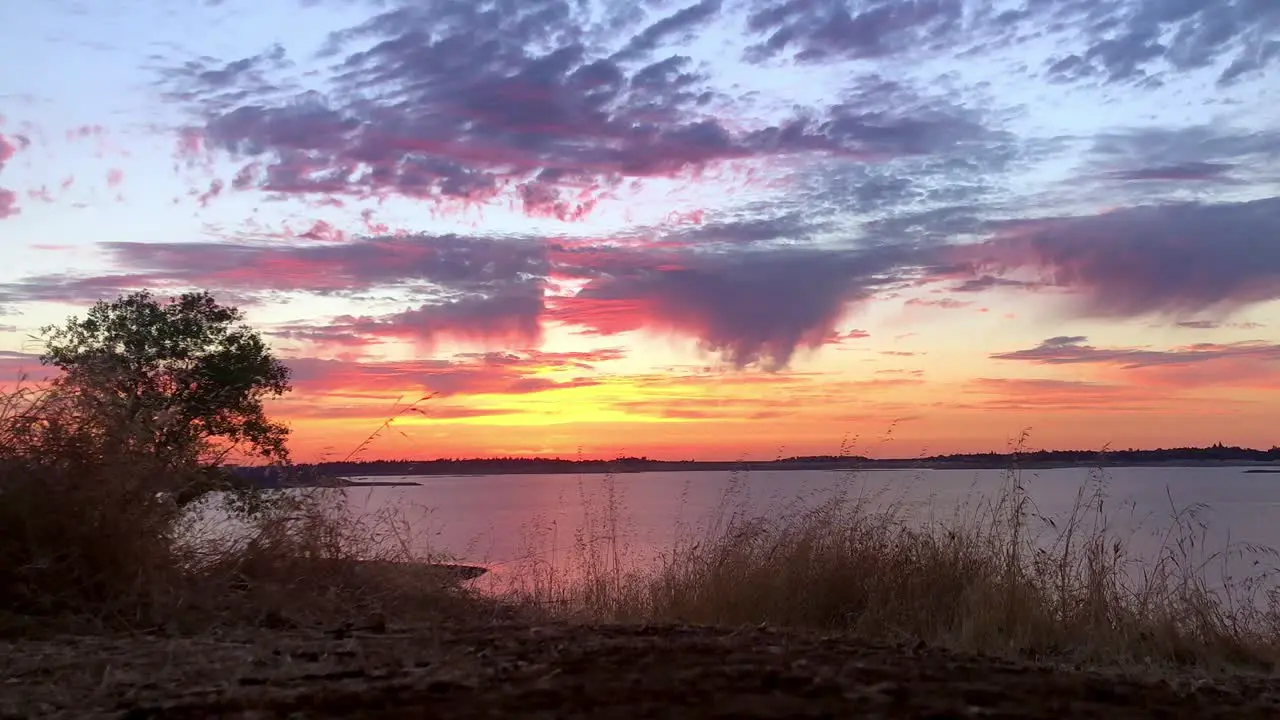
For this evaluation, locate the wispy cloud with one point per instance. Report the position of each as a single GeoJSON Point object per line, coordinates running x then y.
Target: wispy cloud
{"type": "Point", "coordinates": [1239, 364]}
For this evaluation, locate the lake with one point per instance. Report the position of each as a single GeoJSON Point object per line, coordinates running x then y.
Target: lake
{"type": "Point", "coordinates": [506, 521]}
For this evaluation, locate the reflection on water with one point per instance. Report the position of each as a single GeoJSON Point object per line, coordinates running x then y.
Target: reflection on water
{"type": "Point", "coordinates": [507, 522]}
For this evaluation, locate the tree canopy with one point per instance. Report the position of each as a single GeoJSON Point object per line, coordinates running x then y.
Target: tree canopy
{"type": "Point", "coordinates": [191, 362]}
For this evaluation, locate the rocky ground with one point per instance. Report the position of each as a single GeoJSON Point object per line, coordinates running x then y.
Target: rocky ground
{"type": "Point", "coordinates": [568, 671]}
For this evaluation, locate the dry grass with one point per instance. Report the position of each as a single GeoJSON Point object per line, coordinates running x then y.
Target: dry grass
{"type": "Point", "coordinates": [994, 576]}
{"type": "Point", "coordinates": [92, 536]}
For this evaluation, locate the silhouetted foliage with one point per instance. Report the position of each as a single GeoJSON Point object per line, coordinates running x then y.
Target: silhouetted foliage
{"type": "Point", "coordinates": [188, 372]}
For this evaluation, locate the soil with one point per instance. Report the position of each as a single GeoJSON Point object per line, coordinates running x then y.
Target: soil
{"type": "Point", "coordinates": [508, 669]}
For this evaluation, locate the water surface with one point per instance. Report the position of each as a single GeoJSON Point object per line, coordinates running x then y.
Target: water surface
{"type": "Point", "coordinates": [502, 521]}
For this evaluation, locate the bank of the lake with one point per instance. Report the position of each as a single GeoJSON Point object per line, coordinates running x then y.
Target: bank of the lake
{"type": "Point", "coordinates": [539, 670]}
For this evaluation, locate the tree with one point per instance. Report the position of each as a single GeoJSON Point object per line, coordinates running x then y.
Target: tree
{"type": "Point", "coordinates": [189, 372]}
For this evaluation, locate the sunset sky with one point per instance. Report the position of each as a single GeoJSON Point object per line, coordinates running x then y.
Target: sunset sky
{"type": "Point", "coordinates": [717, 229]}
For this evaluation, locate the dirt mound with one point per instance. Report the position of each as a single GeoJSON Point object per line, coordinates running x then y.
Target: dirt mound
{"type": "Point", "coordinates": [567, 671]}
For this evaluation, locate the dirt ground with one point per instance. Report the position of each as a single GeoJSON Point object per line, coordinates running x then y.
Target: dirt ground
{"type": "Point", "coordinates": [567, 671]}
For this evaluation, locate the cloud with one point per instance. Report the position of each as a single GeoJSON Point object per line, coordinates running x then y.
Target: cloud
{"type": "Point", "coordinates": [678, 22]}
{"type": "Point", "coordinates": [1216, 324]}
{"type": "Point", "coordinates": [1241, 364]}
{"type": "Point", "coordinates": [1169, 259]}
{"type": "Point", "coordinates": [1183, 154]}
{"type": "Point", "coordinates": [823, 30]}
{"type": "Point", "coordinates": [1175, 173]}
{"type": "Point", "coordinates": [1073, 351]}
{"type": "Point", "coordinates": [462, 282]}
{"type": "Point", "coordinates": [941, 303]}
{"type": "Point", "coordinates": [438, 412]}
{"type": "Point", "coordinates": [702, 408]}
{"type": "Point", "coordinates": [481, 102]}
{"type": "Point", "coordinates": [555, 106]}
{"type": "Point", "coordinates": [509, 316]}
{"type": "Point", "coordinates": [8, 198]}
{"type": "Point", "coordinates": [1139, 41]}
{"type": "Point", "coordinates": [462, 375]}
{"type": "Point", "coordinates": [224, 85]}
{"type": "Point", "coordinates": [428, 410]}
{"type": "Point", "coordinates": [16, 365]}
{"type": "Point", "coordinates": [1040, 394]}
{"type": "Point", "coordinates": [752, 290]}
{"type": "Point", "coordinates": [322, 336]}
{"type": "Point", "coordinates": [751, 306]}
{"type": "Point", "coordinates": [80, 290]}
{"type": "Point", "coordinates": [989, 282]}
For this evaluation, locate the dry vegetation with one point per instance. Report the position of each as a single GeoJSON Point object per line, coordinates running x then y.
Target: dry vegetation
{"type": "Point", "coordinates": [995, 576]}
{"type": "Point", "coordinates": [93, 535]}
{"type": "Point", "coordinates": [91, 538]}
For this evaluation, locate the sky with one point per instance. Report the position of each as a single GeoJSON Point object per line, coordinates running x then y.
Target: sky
{"type": "Point", "coordinates": [719, 229]}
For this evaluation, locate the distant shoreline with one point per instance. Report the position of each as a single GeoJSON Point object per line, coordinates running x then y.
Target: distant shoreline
{"type": "Point", "coordinates": [1259, 467]}
{"type": "Point", "coordinates": [380, 472]}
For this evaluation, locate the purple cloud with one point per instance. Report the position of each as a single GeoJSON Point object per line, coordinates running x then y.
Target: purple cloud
{"type": "Point", "coordinates": [1171, 259]}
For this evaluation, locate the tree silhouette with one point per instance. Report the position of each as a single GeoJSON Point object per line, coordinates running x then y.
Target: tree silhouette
{"type": "Point", "coordinates": [188, 375]}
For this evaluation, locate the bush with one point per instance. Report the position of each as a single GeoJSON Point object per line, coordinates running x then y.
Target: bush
{"type": "Point", "coordinates": [93, 533]}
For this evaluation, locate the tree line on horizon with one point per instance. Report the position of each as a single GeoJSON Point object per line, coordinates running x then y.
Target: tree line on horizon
{"type": "Point", "coordinates": [443, 466]}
